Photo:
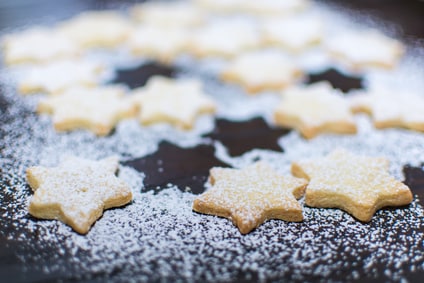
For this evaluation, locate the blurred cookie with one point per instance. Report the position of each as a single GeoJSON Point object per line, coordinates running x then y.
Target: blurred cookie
{"type": "Point", "coordinates": [260, 71]}
{"type": "Point", "coordinates": [315, 109]}
{"type": "Point", "coordinates": [77, 191]}
{"type": "Point", "coordinates": [251, 196]}
{"type": "Point", "coordinates": [359, 185]}
{"type": "Point", "coordinates": [96, 109]}
{"type": "Point", "coordinates": [177, 102]}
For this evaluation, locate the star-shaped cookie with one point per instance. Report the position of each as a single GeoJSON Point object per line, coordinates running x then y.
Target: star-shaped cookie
{"type": "Point", "coordinates": [368, 48]}
{"type": "Point", "coordinates": [359, 185]}
{"type": "Point", "coordinates": [97, 109]}
{"type": "Point", "coordinates": [37, 45]}
{"type": "Point", "coordinates": [56, 77]}
{"type": "Point", "coordinates": [97, 29]}
{"type": "Point", "coordinates": [251, 196]}
{"type": "Point", "coordinates": [77, 191]}
{"type": "Point", "coordinates": [391, 108]}
{"type": "Point", "coordinates": [315, 109]}
{"type": "Point", "coordinates": [261, 70]}
{"type": "Point", "coordinates": [177, 102]}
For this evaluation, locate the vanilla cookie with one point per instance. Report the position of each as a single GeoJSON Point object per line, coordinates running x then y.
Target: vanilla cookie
{"type": "Point", "coordinates": [359, 185]}
{"type": "Point", "coordinates": [95, 109]}
{"type": "Point", "coordinates": [220, 6]}
{"type": "Point", "coordinates": [161, 43]}
{"type": "Point", "coordinates": [315, 109]}
{"type": "Point", "coordinates": [273, 7]}
{"type": "Point", "coordinates": [224, 38]}
{"type": "Point", "coordinates": [56, 77]}
{"type": "Point", "coordinates": [77, 191]}
{"type": "Point", "coordinates": [177, 102]}
{"type": "Point", "coordinates": [295, 33]}
{"type": "Point", "coordinates": [364, 49]}
{"type": "Point", "coordinates": [97, 29]}
{"type": "Point", "coordinates": [37, 45]}
{"type": "Point", "coordinates": [168, 14]}
{"type": "Point", "coordinates": [260, 71]}
{"type": "Point", "coordinates": [391, 108]}
{"type": "Point", "coordinates": [251, 196]}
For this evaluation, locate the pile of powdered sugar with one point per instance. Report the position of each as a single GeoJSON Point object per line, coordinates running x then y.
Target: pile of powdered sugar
{"type": "Point", "coordinates": [159, 238]}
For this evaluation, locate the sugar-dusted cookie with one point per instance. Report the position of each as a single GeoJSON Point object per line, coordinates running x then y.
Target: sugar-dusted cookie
{"type": "Point", "coordinates": [56, 77]}
{"type": "Point", "coordinates": [293, 33]}
{"type": "Point", "coordinates": [251, 196]}
{"type": "Point", "coordinates": [364, 49]}
{"type": "Point", "coordinates": [97, 29]}
{"type": "Point", "coordinates": [224, 38]}
{"type": "Point", "coordinates": [359, 185]}
{"type": "Point", "coordinates": [162, 43]}
{"type": "Point", "coordinates": [37, 45]}
{"type": "Point", "coordinates": [220, 6]}
{"type": "Point", "coordinates": [77, 191]}
{"type": "Point", "coordinates": [391, 108]}
{"type": "Point", "coordinates": [96, 109]}
{"type": "Point", "coordinates": [315, 109]}
{"type": "Point", "coordinates": [261, 70]}
{"type": "Point", "coordinates": [170, 14]}
{"type": "Point", "coordinates": [273, 7]}
{"type": "Point", "coordinates": [177, 102]}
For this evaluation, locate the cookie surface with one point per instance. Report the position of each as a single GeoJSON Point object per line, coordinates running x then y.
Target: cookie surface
{"type": "Point", "coordinates": [376, 50]}
{"type": "Point", "coordinates": [77, 191]}
{"type": "Point", "coordinates": [261, 70]}
{"type": "Point", "coordinates": [97, 109]}
{"type": "Point", "coordinates": [58, 76]}
{"type": "Point", "coordinates": [359, 185]}
{"type": "Point", "coordinates": [96, 29]}
{"type": "Point", "coordinates": [251, 196]}
{"type": "Point", "coordinates": [315, 109]}
{"type": "Point", "coordinates": [37, 45]}
{"type": "Point", "coordinates": [177, 102]}
{"type": "Point", "coordinates": [391, 108]}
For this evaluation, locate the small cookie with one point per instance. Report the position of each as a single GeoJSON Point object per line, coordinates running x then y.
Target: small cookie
{"type": "Point", "coordinates": [37, 45]}
{"type": "Point", "coordinates": [220, 6]}
{"type": "Point", "coordinates": [391, 108]}
{"type": "Point", "coordinates": [56, 77]}
{"type": "Point", "coordinates": [96, 109]}
{"type": "Point", "coordinates": [162, 43]}
{"type": "Point", "coordinates": [224, 38]}
{"type": "Point", "coordinates": [177, 102]}
{"type": "Point", "coordinates": [168, 14]}
{"type": "Point", "coordinates": [251, 196]}
{"type": "Point", "coordinates": [365, 49]}
{"type": "Point", "coordinates": [261, 70]}
{"type": "Point", "coordinates": [97, 29]}
{"type": "Point", "coordinates": [293, 33]}
{"type": "Point", "coordinates": [315, 109]}
{"type": "Point", "coordinates": [77, 191]}
{"type": "Point", "coordinates": [359, 185]}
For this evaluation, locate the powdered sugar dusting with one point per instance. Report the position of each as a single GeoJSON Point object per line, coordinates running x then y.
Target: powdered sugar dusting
{"type": "Point", "coordinates": [158, 237]}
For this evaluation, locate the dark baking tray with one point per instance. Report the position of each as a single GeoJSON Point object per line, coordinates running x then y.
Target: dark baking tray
{"type": "Point", "coordinates": [406, 16]}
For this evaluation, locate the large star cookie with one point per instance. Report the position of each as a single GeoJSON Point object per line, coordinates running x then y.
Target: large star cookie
{"type": "Point", "coordinates": [56, 77]}
{"type": "Point", "coordinates": [250, 196]}
{"type": "Point", "coordinates": [37, 45]}
{"type": "Point", "coordinates": [314, 109]}
{"type": "Point", "coordinates": [359, 185]}
{"type": "Point", "coordinates": [224, 38]}
{"type": "Point", "coordinates": [98, 109]}
{"type": "Point", "coordinates": [391, 108]}
{"type": "Point", "coordinates": [365, 49]}
{"type": "Point", "coordinates": [97, 29]}
{"type": "Point", "coordinates": [177, 102]}
{"type": "Point", "coordinates": [261, 70]}
{"type": "Point", "coordinates": [77, 191]}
